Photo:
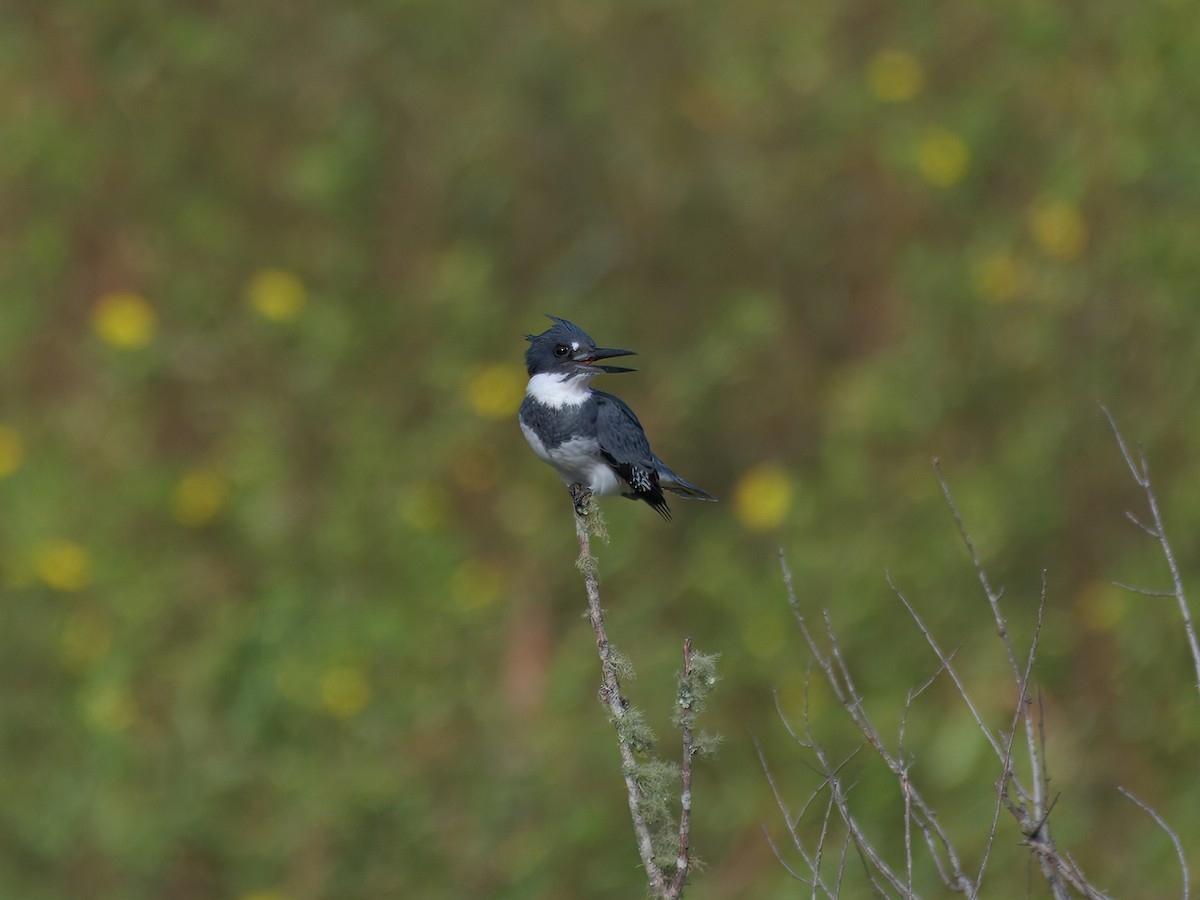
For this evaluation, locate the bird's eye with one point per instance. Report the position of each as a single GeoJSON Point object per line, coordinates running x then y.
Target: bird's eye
{"type": "Point", "coordinates": [562, 350]}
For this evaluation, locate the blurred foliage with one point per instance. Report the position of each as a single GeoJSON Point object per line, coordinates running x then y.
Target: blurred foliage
{"type": "Point", "coordinates": [289, 610]}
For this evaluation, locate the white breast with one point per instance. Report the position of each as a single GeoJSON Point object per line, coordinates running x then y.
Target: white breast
{"type": "Point", "coordinates": [557, 392]}
{"type": "Point", "coordinates": [577, 462]}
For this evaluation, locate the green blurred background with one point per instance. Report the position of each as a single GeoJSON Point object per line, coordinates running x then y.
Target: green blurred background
{"type": "Point", "coordinates": [289, 610]}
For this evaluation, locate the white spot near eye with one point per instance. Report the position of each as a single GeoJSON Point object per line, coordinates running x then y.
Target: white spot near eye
{"type": "Point", "coordinates": [574, 345]}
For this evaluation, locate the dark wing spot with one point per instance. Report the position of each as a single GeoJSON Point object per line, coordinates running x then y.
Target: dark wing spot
{"type": "Point", "coordinates": [640, 480]}
{"type": "Point", "coordinates": [643, 483]}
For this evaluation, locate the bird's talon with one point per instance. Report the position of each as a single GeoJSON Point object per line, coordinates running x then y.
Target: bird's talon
{"type": "Point", "coordinates": [580, 497]}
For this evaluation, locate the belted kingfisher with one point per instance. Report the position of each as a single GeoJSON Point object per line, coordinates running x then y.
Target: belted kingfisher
{"type": "Point", "coordinates": [592, 439]}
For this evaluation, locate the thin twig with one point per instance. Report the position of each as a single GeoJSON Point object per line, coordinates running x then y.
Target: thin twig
{"type": "Point", "coordinates": [993, 598]}
{"type": "Point", "coordinates": [1183, 866]}
{"type": "Point", "coordinates": [906, 790]}
{"type": "Point", "coordinates": [779, 856]}
{"type": "Point", "coordinates": [1007, 776]}
{"type": "Point", "coordinates": [817, 857]}
{"type": "Point", "coordinates": [905, 784]}
{"type": "Point", "coordinates": [837, 674]}
{"type": "Point", "coordinates": [779, 801]}
{"type": "Point", "coordinates": [949, 667]}
{"type": "Point", "coordinates": [685, 792]}
{"type": "Point", "coordinates": [866, 850]}
{"type": "Point", "coordinates": [1140, 524]}
{"type": "Point", "coordinates": [1145, 592]}
{"type": "Point", "coordinates": [1141, 474]}
{"type": "Point", "coordinates": [1066, 866]}
{"type": "Point", "coordinates": [841, 871]}
{"type": "Point", "coordinates": [992, 595]}
{"type": "Point", "coordinates": [1030, 806]}
{"type": "Point", "coordinates": [1058, 869]}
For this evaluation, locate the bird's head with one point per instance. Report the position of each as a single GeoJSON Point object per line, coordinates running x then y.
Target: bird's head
{"type": "Point", "coordinates": [565, 349]}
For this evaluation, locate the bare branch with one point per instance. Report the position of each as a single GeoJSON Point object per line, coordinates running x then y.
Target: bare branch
{"type": "Point", "coordinates": [905, 784]}
{"type": "Point", "coordinates": [783, 716]}
{"type": "Point", "coordinates": [1146, 592]}
{"type": "Point", "coordinates": [1070, 873]}
{"type": "Point", "coordinates": [993, 598]}
{"type": "Point", "coordinates": [821, 839]}
{"type": "Point", "coordinates": [1139, 475]}
{"type": "Point", "coordinates": [865, 849]}
{"type": "Point", "coordinates": [1183, 866]}
{"type": "Point", "coordinates": [1031, 804]}
{"type": "Point", "coordinates": [648, 798]}
{"type": "Point", "coordinates": [779, 801]}
{"type": "Point", "coordinates": [837, 673]}
{"type": "Point", "coordinates": [611, 695]}
{"type": "Point", "coordinates": [997, 614]}
{"type": "Point", "coordinates": [992, 595]}
{"type": "Point", "coordinates": [1018, 810]}
{"type": "Point", "coordinates": [906, 790]}
{"type": "Point", "coordinates": [1142, 525]}
{"type": "Point", "coordinates": [1058, 869]}
{"type": "Point", "coordinates": [1140, 471]}
{"type": "Point", "coordinates": [949, 667]}
{"type": "Point", "coordinates": [783, 862]}
{"type": "Point", "coordinates": [841, 872]}
{"type": "Point", "coordinates": [685, 792]}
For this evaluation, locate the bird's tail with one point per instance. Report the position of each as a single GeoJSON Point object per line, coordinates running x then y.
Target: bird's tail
{"type": "Point", "coordinates": [669, 481]}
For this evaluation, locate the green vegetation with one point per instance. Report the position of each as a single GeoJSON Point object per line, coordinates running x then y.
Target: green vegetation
{"type": "Point", "coordinates": [288, 609]}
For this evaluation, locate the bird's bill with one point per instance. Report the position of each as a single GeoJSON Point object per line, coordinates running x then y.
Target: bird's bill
{"type": "Point", "coordinates": [588, 358]}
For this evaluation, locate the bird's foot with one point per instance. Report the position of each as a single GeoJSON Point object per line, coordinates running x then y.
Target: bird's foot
{"type": "Point", "coordinates": [580, 497]}
{"type": "Point", "coordinates": [588, 511]}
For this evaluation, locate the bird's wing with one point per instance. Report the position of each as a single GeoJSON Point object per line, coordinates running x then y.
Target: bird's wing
{"type": "Point", "coordinates": [668, 480]}
{"type": "Point", "coordinates": [619, 431]}
{"type": "Point", "coordinates": [624, 445]}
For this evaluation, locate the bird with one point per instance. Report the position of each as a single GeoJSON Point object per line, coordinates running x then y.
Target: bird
{"type": "Point", "coordinates": [592, 439]}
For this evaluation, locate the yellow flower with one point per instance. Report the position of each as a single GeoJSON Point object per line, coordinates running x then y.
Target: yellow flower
{"type": "Point", "coordinates": [198, 496]}
{"type": "Point", "coordinates": [12, 451]}
{"type": "Point", "coordinates": [942, 157]}
{"type": "Point", "coordinates": [1000, 277]}
{"type": "Point", "coordinates": [895, 76]}
{"type": "Point", "coordinates": [276, 294]}
{"type": "Point", "coordinates": [1059, 230]}
{"type": "Point", "coordinates": [762, 497]}
{"type": "Point", "coordinates": [124, 319]}
{"type": "Point", "coordinates": [63, 565]}
{"type": "Point", "coordinates": [345, 691]}
{"type": "Point", "coordinates": [495, 391]}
